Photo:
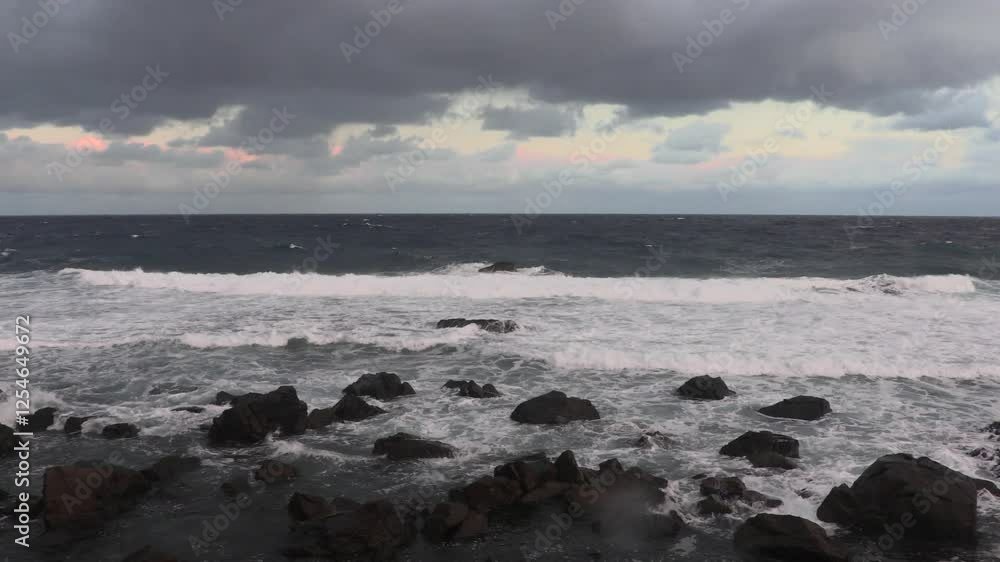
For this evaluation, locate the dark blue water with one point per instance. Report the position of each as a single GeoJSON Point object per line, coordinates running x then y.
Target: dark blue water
{"type": "Point", "coordinates": [582, 245]}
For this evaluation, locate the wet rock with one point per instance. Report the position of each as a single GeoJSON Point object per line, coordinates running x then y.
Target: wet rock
{"type": "Point", "coordinates": [752, 497]}
{"type": "Point", "coordinates": [383, 386]}
{"type": "Point", "coordinates": [297, 344]}
{"type": "Point", "coordinates": [725, 488]}
{"type": "Point", "coordinates": [643, 527]}
{"type": "Point", "coordinates": [987, 486]}
{"type": "Point", "coordinates": [349, 408]}
{"type": "Point", "coordinates": [150, 554]}
{"type": "Point", "coordinates": [474, 525]}
{"type": "Point", "coordinates": [487, 324]}
{"type": "Point", "coordinates": [170, 467]}
{"type": "Point", "coordinates": [554, 408]}
{"type": "Point", "coordinates": [473, 390]}
{"type": "Point", "coordinates": [224, 398]}
{"type": "Point", "coordinates": [305, 507]}
{"type": "Point", "coordinates": [545, 491]}
{"type": "Point", "coordinates": [993, 428]}
{"type": "Point", "coordinates": [529, 473]}
{"type": "Point", "coordinates": [375, 531]}
{"type": "Point", "coordinates": [757, 442]}
{"type": "Point", "coordinates": [120, 431]}
{"type": "Point", "coordinates": [74, 424]}
{"type": "Point", "coordinates": [189, 409]}
{"type": "Point", "coordinates": [653, 439]}
{"type": "Point", "coordinates": [567, 469]}
{"type": "Point", "coordinates": [172, 388]}
{"type": "Point", "coordinates": [444, 520]}
{"type": "Point", "coordinates": [87, 494]}
{"type": "Point", "coordinates": [7, 440]}
{"type": "Point", "coordinates": [930, 500]}
{"type": "Point", "coordinates": [713, 505]}
{"type": "Point", "coordinates": [615, 492]}
{"type": "Point", "coordinates": [807, 408]}
{"type": "Point", "coordinates": [705, 387]}
{"type": "Point", "coordinates": [253, 416]}
{"type": "Point", "coordinates": [41, 420]}
{"type": "Point", "coordinates": [500, 266]}
{"type": "Point", "coordinates": [271, 471]}
{"type": "Point", "coordinates": [770, 459]}
{"type": "Point", "coordinates": [489, 492]}
{"type": "Point", "coordinates": [403, 446]}
{"type": "Point", "coordinates": [786, 537]}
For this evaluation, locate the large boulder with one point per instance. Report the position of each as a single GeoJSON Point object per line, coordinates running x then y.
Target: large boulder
{"type": "Point", "coordinates": [349, 408]}
{"type": "Point", "coordinates": [41, 420]}
{"type": "Point", "coordinates": [554, 408]}
{"type": "Point", "coordinates": [754, 443]}
{"type": "Point", "coordinates": [786, 537]}
{"type": "Point", "coordinates": [705, 387]}
{"type": "Point", "coordinates": [500, 266]}
{"type": "Point", "coordinates": [928, 500]}
{"type": "Point", "coordinates": [807, 408]}
{"type": "Point", "coordinates": [383, 386]}
{"type": "Point", "coordinates": [472, 390]}
{"type": "Point", "coordinates": [374, 531]}
{"type": "Point", "coordinates": [74, 424]}
{"type": "Point", "coordinates": [403, 446]}
{"type": "Point", "coordinates": [488, 324]}
{"type": "Point", "coordinates": [253, 416]}
{"type": "Point", "coordinates": [86, 494]}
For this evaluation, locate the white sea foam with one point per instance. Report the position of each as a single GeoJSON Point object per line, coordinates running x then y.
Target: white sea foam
{"type": "Point", "coordinates": [458, 282]}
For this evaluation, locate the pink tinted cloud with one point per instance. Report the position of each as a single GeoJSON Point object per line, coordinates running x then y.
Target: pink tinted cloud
{"type": "Point", "coordinates": [89, 142]}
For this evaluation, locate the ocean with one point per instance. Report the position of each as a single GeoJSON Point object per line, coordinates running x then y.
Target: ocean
{"type": "Point", "coordinates": [893, 320]}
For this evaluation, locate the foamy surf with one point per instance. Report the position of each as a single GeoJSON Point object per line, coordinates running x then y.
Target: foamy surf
{"type": "Point", "coordinates": [460, 282]}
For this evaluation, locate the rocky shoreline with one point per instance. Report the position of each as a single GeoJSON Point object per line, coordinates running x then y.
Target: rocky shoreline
{"type": "Point", "coordinates": [900, 501]}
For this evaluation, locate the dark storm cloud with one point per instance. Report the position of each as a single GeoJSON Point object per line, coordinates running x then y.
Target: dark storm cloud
{"type": "Point", "coordinates": [402, 67]}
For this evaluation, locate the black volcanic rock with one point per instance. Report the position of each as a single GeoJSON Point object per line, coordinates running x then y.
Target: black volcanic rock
{"type": "Point", "coordinates": [297, 344]}
{"type": "Point", "coordinates": [554, 408]}
{"type": "Point", "coordinates": [119, 431]}
{"type": "Point", "coordinates": [757, 442]}
{"type": "Point", "coordinates": [786, 537]}
{"type": "Point", "coordinates": [74, 424]}
{"type": "Point", "coordinates": [253, 416]}
{"type": "Point", "coordinates": [472, 390]}
{"type": "Point", "coordinates": [7, 440]}
{"type": "Point", "coordinates": [374, 531]}
{"type": "Point", "coordinates": [403, 446]}
{"type": "Point", "coordinates": [188, 409]}
{"type": "Point", "coordinates": [770, 459]}
{"type": "Point", "coordinates": [500, 266]}
{"type": "Point", "coordinates": [930, 500]}
{"type": "Point", "coordinates": [41, 420]}
{"type": "Point", "coordinates": [382, 385]}
{"type": "Point", "coordinates": [705, 388]}
{"type": "Point", "coordinates": [113, 490]}
{"type": "Point", "coordinates": [652, 439]}
{"type": "Point", "coordinates": [349, 408]}
{"type": "Point", "coordinates": [807, 408]}
{"type": "Point", "coordinates": [488, 324]}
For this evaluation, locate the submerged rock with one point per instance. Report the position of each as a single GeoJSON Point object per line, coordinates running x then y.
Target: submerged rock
{"type": "Point", "coordinates": [653, 439]}
{"type": "Point", "coordinates": [927, 498]}
{"type": "Point", "coordinates": [188, 409]}
{"type": "Point", "coordinates": [770, 459]}
{"type": "Point", "coordinates": [786, 537]}
{"type": "Point", "coordinates": [753, 443]}
{"type": "Point", "coordinates": [807, 408]}
{"type": "Point", "coordinates": [111, 490]}
{"type": "Point", "coordinates": [271, 471]}
{"type": "Point", "coordinates": [403, 446]}
{"type": "Point", "coordinates": [253, 416]}
{"type": "Point", "coordinates": [487, 324]}
{"type": "Point", "coordinates": [554, 408]}
{"type": "Point", "coordinates": [349, 408]}
{"type": "Point", "coordinates": [170, 467]}
{"type": "Point", "coordinates": [728, 489]}
{"type": "Point", "coordinates": [500, 266]}
{"type": "Point", "coordinates": [119, 431]}
{"type": "Point", "coordinates": [172, 388]}
{"type": "Point", "coordinates": [705, 387]}
{"type": "Point", "coordinates": [382, 385]}
{"type": "Point", "coordinates": [473, 390]}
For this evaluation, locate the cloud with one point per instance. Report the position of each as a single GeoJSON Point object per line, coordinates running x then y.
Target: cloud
{"type": "Point", "coordinates": [524, 122]}
{"type": "Point", "coordinates": [690, 144]}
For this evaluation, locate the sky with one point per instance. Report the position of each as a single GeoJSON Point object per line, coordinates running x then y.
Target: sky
{"type": "Point", "coordinates": [857, 107]}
